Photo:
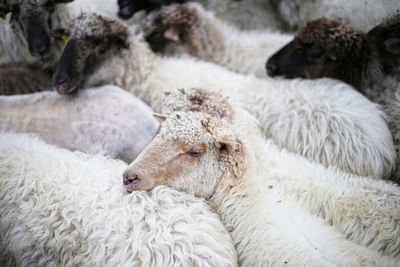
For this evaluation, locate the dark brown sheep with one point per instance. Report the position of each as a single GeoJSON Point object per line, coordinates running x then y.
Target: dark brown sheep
{"type": "Point", "coordinates": [23, 78]}
{"type": "Point", "coordinates": [328, 48]}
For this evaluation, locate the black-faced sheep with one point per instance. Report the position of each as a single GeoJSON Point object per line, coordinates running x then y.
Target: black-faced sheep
{"type": "Point", "coordinates": [328, 48]}
{"type": "Point", "coordinates": [326, 121]}
{"type": "Point", "coordinates": [23, 78]}
{"type": "Point", "coordinates": [259, 190]}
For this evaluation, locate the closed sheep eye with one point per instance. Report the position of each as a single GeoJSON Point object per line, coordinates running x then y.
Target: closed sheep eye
{"type": "Point", "coordinates": [194, 152]}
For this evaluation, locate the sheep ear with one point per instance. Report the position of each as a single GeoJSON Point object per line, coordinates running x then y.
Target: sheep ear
{"type": "Point", "coordinates": [172, 34]}
{"type": "Point", "coordinates": [159, 117]}
{"type": "Point", "coordinates": [226, 145]}
{"type": "Point", "coordinates": [233, 150]}
{"type": "Point", "coordinates": [392, 45]}
{"type": "Point", "coordinates": [61, 34]}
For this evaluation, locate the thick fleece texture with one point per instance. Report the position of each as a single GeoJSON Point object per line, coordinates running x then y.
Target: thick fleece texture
{"type": "Point", "coordinates": [105, 120]}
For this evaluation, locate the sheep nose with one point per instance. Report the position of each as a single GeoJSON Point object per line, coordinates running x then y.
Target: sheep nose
{"type": "Point", "coordinates": [271, 68]}
{"type": "Point", "coordinates": [126, 9]}
{"type": "Point", "coordinates": [62, 79]}
{"type": "Point", "coordinates": [129, 179]}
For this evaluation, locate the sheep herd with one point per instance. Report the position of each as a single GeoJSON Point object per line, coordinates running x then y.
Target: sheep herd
{"type": "Point", "coordinates": [199, 133]}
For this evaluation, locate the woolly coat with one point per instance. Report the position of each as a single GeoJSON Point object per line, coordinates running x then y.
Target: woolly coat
{"type": "Point", "coordinates": [105, 120]}
{"type": "Point", "coordinates": [63, 208]}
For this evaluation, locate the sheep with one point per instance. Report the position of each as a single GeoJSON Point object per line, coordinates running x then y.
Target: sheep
{"type": "Point", "coordinates": [347, 203]}
{"type": "Point", "coordinates": [105, 120]}
{"type": "Point", "coordinates": [23, 78]}
{"type": "Point", "coordinates": [368, 61]}
{"type": "Point", "coordinates": [62, 208]}
{"type": "Point", "coordinates": [191, 28]}
{"type": "Point", "coordinates": [325, 121]}
{"type": "Point", "coordinates": [215, 158]}
{"type": "Point", "coordinates": [360, 14]}
{"type": "Point", "coordinates": [32, 30]}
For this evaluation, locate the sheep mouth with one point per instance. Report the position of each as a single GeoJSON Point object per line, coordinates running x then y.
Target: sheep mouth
{"type": "Point", "coordinates": [65, 90]}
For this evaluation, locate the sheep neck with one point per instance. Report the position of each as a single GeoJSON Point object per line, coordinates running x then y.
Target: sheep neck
{"type": "Point", "coordinates": [354, 68]}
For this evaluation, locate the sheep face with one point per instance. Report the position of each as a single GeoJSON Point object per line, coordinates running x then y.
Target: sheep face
{"type": "Point", "coordinates": [34, 18]}
{"type": "Point", "coordinates": [169, 26]}
{"type": "Point", "coordinates": [315, 51]}
{"type": "Point", "coordinates": [190, 153]}
{"type": "Point", "coordinates": [92, 39]}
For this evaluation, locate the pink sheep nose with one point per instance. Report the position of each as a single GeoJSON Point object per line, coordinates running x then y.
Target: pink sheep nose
{"type": "Point", "coordinates": [129, 179]}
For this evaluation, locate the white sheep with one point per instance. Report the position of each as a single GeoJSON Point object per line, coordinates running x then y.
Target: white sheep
{"type": "Point", "coordinates": [324, 120]}
{"type": "Point", "coordinates": [365, 210]}
{"type": "Point", "coordinates": [360, 14]}
{"type": "Point", "coordinates": [226, 161]}
{"type": "Point", "coordinates": [105, 120]}
{"type": "Point", "coordinates": [191, 28]}
{"type": "Point", "coordinates": [61, 208]}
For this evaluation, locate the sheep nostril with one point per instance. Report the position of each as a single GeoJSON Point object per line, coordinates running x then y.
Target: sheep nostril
{"type": "Point", "coordinates": [271, 68]}
{"type": "Point", "coordinates": [129, 179]}
{"type": "Point", "coordinates": [63, 79]}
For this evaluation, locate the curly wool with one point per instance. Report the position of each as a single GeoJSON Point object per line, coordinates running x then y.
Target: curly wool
{"type": "Point", "coordinates": [64, 208]}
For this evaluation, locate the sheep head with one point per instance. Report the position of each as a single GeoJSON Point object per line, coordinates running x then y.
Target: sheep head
{"type": "Point", "coordinates": [171, 25]}
{"type": "Point", "coordinates": [91, 39]}
{"type": "Point", "coordinates": [316, 51]}
{"type": "Point", "coordinates": [192, 152]}
{"type": "Point", "coordinates": [129, 7]}
{"type": "Point", "coordinates": [384, 42]}
{"type": "Point", "coordinates": [34, 19]}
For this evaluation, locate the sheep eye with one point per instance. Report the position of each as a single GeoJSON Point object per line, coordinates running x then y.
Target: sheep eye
{"type": "Point", "coordinates": [314, 51]}
{"type": "Point", "coordinates": [195, 152]}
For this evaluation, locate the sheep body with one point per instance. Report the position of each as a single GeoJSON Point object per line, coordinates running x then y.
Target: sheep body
{"type": "Point", "coordinates": [64, 208]}
{"type": "Point", "coordinates": [360, 14]}
{"type": "Point", "coordinates": [203, 35]}
{"type": "Point", "coordinates": [23, 78]}
{"type": "Point", "coordinates": [243, 184]}
{"type": "Point", "coordinates": [367, 148]}
{"type": "Point", "coordinates": [105, 120]}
